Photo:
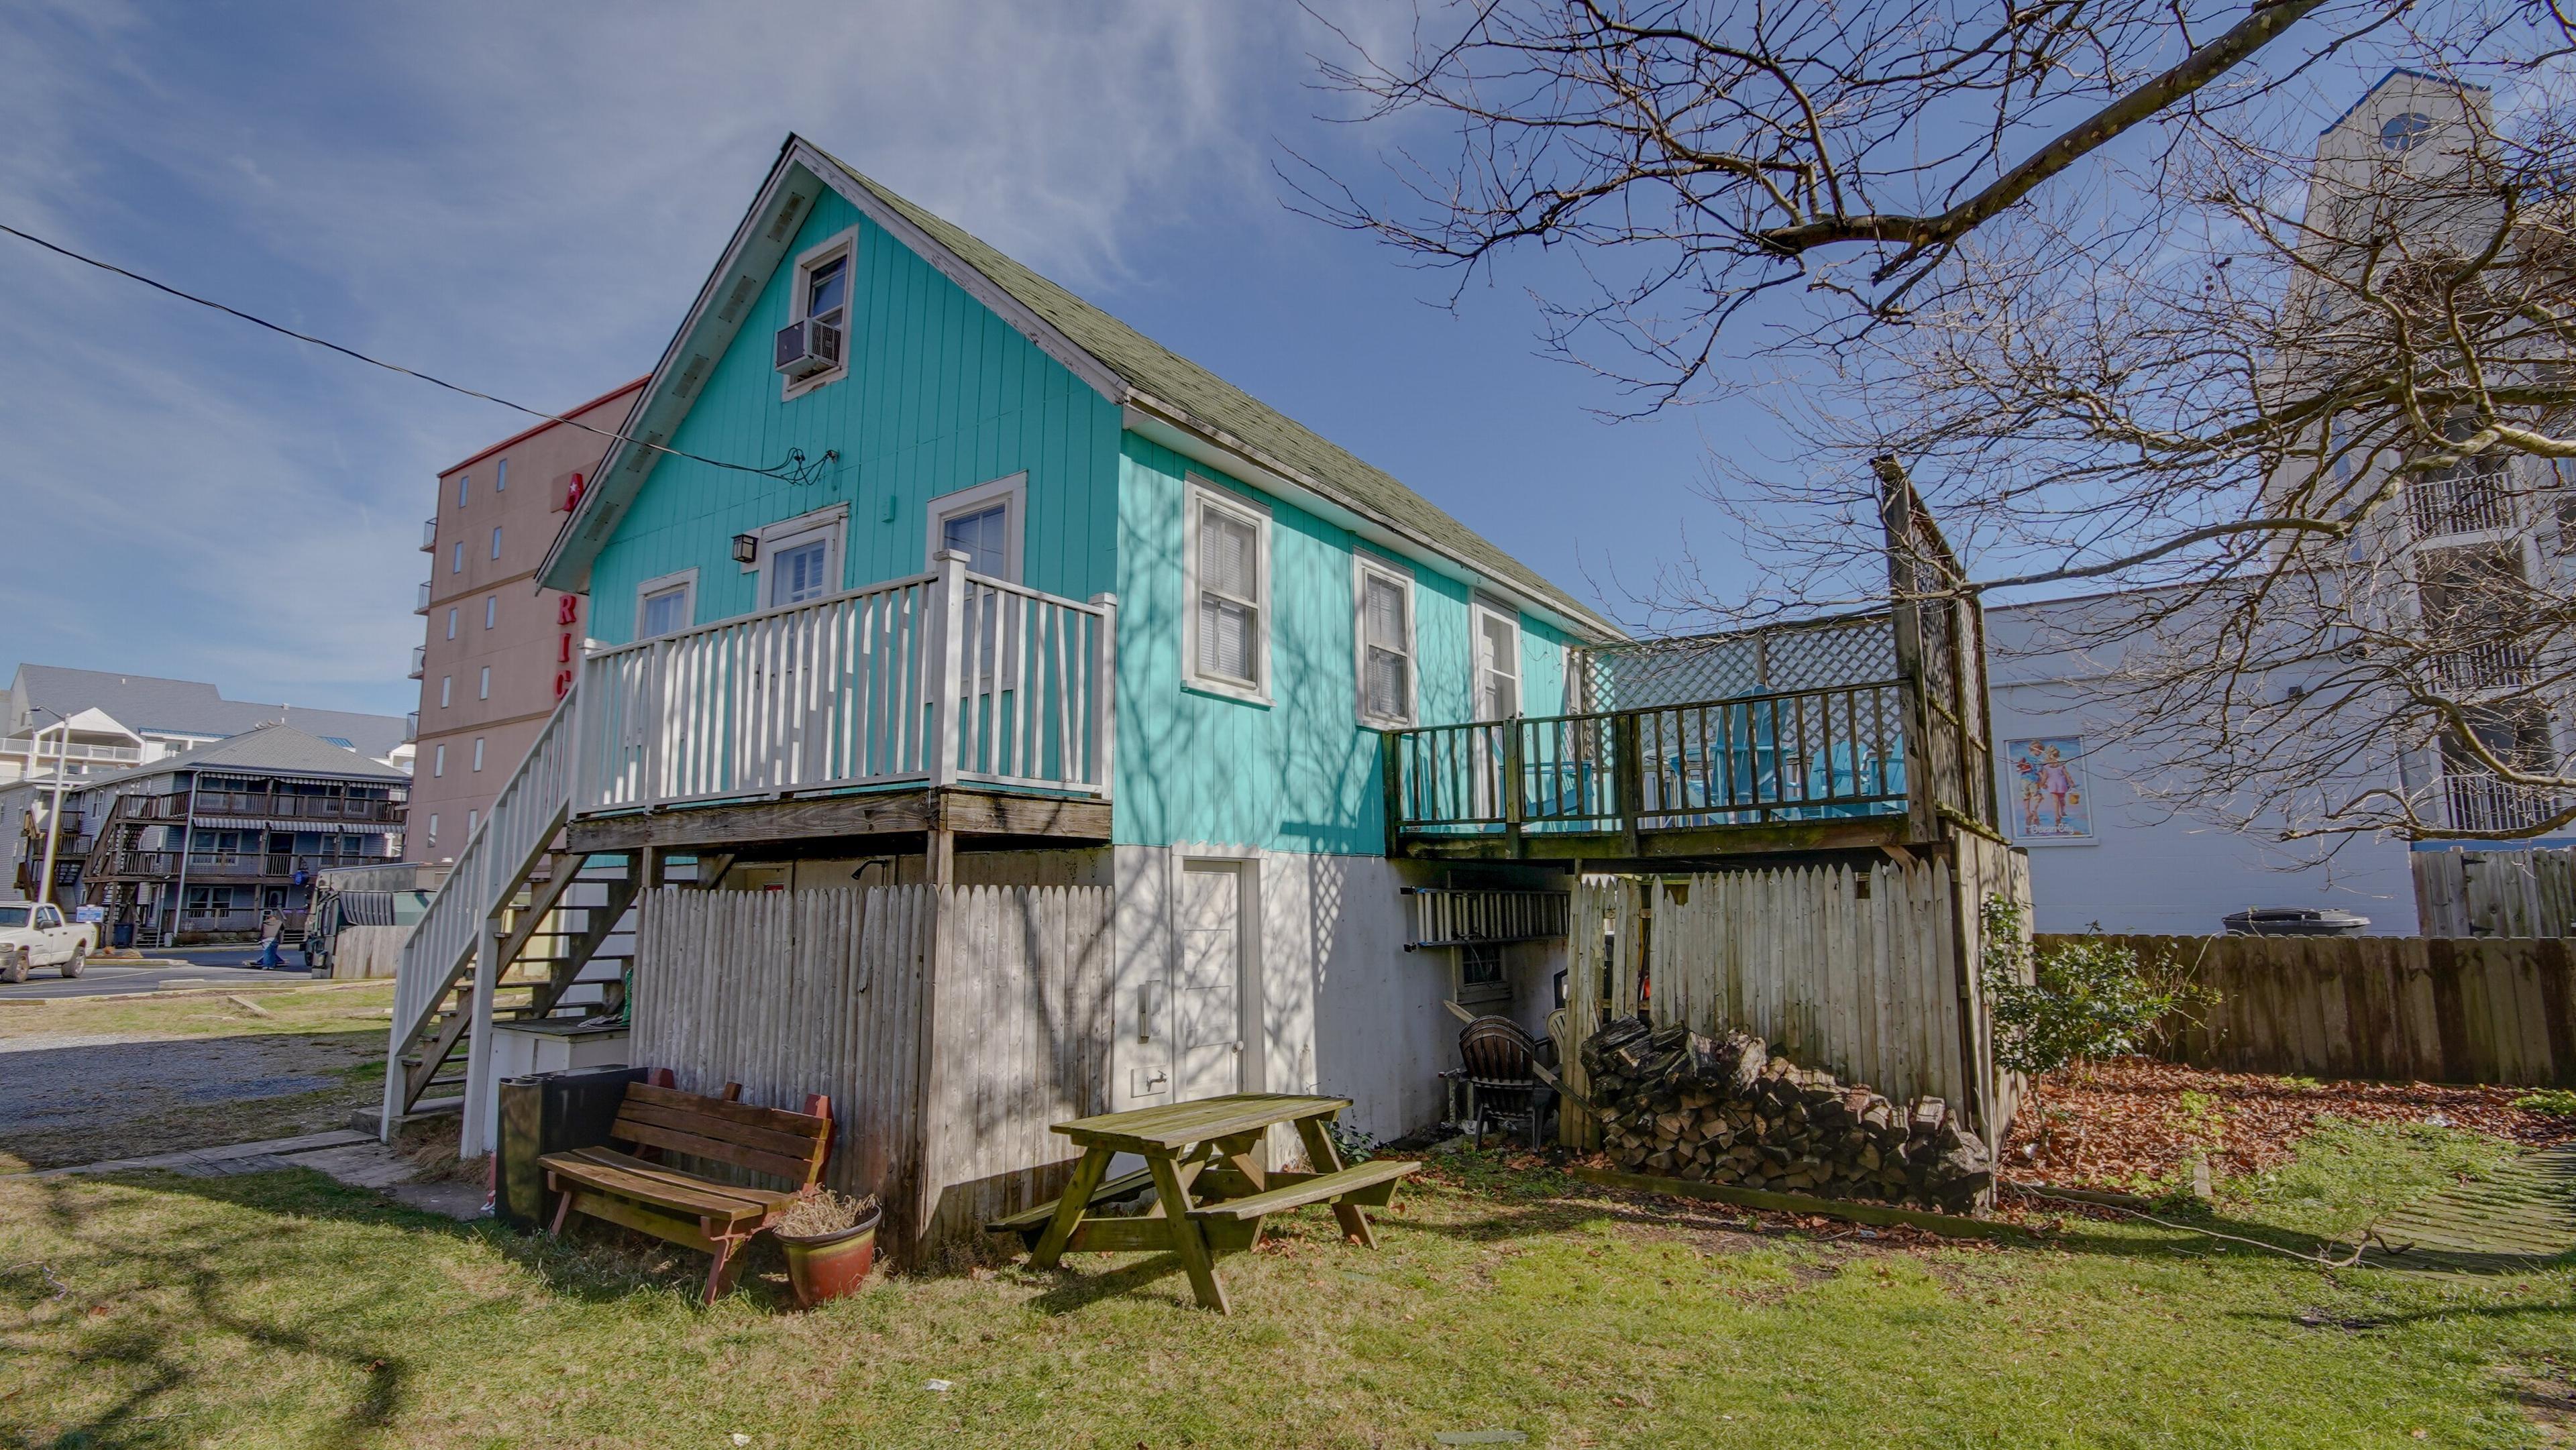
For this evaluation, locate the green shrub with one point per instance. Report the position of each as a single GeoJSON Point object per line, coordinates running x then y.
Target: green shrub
{"type": "Point", "coordinates": [2086, 999]}
{"type": "Point", "coordinates": [2557, 1102]}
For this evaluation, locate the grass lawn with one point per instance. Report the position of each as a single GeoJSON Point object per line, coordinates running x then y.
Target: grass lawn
{"type": "Point", "coordinates": [282, 1310]}
{"type": "Point", "coordinates": [83, 1080]}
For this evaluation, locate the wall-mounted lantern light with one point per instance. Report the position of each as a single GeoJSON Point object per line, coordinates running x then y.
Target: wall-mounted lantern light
{"type": "Point", "coordinates": [746, 548]}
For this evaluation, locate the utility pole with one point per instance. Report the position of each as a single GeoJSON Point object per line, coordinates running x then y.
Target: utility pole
{"type": "Point", "coordinates": [53, 818]}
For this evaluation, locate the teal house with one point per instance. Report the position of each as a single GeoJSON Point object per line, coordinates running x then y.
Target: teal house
{"type": "Point", "coordinates": [917, 567]}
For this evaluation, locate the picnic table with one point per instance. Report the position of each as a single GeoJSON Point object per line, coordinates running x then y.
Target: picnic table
{"type": "Point", "coordinates": [1211, 1187]}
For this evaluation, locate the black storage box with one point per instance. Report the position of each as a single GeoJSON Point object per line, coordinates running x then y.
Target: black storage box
{"type": "Point", "coordinates": [551, 1112]}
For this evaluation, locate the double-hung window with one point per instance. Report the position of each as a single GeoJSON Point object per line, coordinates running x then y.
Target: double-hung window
{"type": "Point", "coordinates": [796, 572]}
{"type": "Point", "coordinates": [1497, 663]}
{"type": "Point", "coordinates": [1229, 568]}
{"type": "Point", "coordinates": [1383, 603]}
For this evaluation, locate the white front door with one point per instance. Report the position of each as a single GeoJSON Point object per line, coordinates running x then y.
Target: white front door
{"type": "Point", "coordinates": [1207, 986]}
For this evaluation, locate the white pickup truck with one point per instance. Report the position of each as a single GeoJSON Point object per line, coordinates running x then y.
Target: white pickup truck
{"type": "Point", "coordinates": [34, 936]}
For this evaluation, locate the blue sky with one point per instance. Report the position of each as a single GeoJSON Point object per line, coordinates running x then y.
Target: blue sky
{"type": "Point", "coordinates": [524, 198]}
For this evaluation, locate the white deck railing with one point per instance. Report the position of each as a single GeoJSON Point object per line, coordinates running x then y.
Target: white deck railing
{"type": "Point", "coordinates": [944, 678]}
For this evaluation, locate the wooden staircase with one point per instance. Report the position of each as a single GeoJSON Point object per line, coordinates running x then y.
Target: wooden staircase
{"type": "Point", "coordinates": [554, 929]}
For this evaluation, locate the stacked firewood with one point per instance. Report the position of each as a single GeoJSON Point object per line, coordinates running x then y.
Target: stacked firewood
{"type": "Point", "coordinates": [1724, 1110]}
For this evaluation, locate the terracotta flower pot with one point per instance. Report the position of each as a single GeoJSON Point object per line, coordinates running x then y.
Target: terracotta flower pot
{"type": "Point", "coordinates": [827, 1266]}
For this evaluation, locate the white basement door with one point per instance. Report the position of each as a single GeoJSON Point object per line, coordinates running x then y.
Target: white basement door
{"type": "Point", "coordinates": [1207, 1016]}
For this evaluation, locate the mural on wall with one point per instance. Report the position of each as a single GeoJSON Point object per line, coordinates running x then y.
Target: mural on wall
{"type": "Point", "coordinates": [2049, 798]}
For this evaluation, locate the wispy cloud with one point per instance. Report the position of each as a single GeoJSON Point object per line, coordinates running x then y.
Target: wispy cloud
{"type": "Point", "coordinates": [519, 197]}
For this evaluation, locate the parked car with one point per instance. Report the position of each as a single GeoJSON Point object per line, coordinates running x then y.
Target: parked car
{"type": "Point", "coordinates": [2295, 921]}
{"type": "Point", "coordinates": [33, 935]}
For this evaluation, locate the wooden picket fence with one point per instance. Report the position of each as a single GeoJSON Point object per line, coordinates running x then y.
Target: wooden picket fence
{"type": "Point", "coordinates": [2405, 1009]}
{"type": "Point", "coordinates": [950, 1026]}
{"type": "Point", "coordinates": [1869, 968]}
{"type": "Point", "coordinates": [2521, 893]}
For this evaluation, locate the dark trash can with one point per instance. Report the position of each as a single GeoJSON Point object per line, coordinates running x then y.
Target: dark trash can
{"type": "Point", "coordinates": [2295, 921]}
{"type": "Point", "coordinates": [123, 936]}
{"type": "Point", "coordinates": [551, 1112]}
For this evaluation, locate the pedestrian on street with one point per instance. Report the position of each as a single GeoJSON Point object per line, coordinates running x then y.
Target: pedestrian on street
{"type": "Point", "coordinates": [271, 927]}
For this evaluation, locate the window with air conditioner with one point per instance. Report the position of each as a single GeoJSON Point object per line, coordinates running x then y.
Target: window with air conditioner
{"type": "Point", "coordinates": [1383, 605]}
{"type": "Point", "coordinates": [811, 348]}
{"type": "Point", "coordinates": [1228, 623]}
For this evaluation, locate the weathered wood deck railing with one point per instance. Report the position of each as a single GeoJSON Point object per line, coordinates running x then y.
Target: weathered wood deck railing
{"type": "Point", "coordinates": [1860, 723]}
{"type": "Point", "coordinates": [942, 678]}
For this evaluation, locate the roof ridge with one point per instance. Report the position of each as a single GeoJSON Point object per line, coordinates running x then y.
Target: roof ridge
{"type": "Point", "coordinates": [1117, 345]}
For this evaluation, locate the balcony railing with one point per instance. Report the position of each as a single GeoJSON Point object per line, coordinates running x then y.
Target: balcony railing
{"type": "Point", "coordinates": [2469, 498]}
{"type": "Point", "coordinates": [423, 606]}
{"type": "Point", "coordinates": [419, 660]}
{"type": "Point", "coordinates": [224, 865]}
{"type": "Point", "coordinates": [429, 533]}
{"type": "Point", "coordinates": [262, 805]}
{"type": "Point", "coordinates": [46, 751]}
{"type": "Point", "coordinates": [1877, 716]}
{"type": "Point", "coordinates": [945, 678]}
{"type": "Point", "coordinates": [411, 726]}
{"type": "Point", "coordinates": [2484, 803]}
{"type": "Point", "coordinates": [1802, 755]}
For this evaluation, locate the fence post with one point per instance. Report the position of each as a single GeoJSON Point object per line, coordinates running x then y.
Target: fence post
{"type": "Point", "coordinates": [1103, 695]}
{"type": "Point", "coordinates": [1630, 784]}
{"type": "Point", "coordinates": [1514, 806]}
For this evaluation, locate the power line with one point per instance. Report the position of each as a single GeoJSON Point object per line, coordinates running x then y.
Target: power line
{"type": "Point", "coordinates": [796, 469]}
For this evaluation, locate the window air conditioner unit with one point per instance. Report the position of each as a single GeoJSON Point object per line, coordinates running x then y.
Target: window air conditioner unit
{"type": "Point", "coordinates": [807, 347]}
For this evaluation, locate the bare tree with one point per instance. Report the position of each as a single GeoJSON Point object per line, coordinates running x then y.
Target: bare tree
{"type": "Point", "coordinates": [2078, 267]}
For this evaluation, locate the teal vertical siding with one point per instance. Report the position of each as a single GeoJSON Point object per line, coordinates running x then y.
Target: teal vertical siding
{"type": "Point", "coordinates": [941, 395]}
{"type": "Point", "coordinates": [1302, 773]}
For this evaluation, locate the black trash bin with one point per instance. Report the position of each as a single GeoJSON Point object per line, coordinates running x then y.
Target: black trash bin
{"type": "Point", "coordinates": [551, 1112]}
{"type": "Point", "coordinates": [123, 936]}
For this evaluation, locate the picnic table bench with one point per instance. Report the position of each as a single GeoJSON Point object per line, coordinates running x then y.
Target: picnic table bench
{"type": "Point", "coordinates": [706, 1214]}
{"type": "Point", "coordinates": [1212, 1191]}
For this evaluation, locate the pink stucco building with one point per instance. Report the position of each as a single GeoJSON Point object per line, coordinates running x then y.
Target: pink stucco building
{"type": "Point", "coordinates": [498, 651]}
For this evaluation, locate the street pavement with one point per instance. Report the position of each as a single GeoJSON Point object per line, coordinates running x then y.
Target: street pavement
{"type": "Point", "coordinates": [181, 969]}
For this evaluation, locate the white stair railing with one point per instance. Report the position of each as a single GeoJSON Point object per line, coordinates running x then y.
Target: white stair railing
{"type": "Point", "coordinates": [496, 861]}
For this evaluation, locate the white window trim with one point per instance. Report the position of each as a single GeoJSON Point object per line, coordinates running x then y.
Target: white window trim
{"type": "Point", "coordinates": [831, 523]}
{"type": "Point", "coordinates": [1011, 492]}
{"type": "Point", "coordinates": [790, 389]}
{"type": "Point", "coordinates": [1479, 609]}
{"type": "Point", "coordinates": [1198, 493]}
{"type": "Point", "coordinates": [1363, 566]}
{"type": "Point", "coordinates": [685, 579]}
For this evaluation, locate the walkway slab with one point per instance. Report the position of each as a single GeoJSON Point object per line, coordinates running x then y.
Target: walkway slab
{"type": "Point", "coordinates": [2519, 1218]}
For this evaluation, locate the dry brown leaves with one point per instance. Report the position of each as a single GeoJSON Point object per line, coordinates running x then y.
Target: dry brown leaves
{"type": "Point", "coordinates": [2131, 1121]}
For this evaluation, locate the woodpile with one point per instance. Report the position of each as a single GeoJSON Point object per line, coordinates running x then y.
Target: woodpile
{"type": "Point", "coordinates": [1724, 1110]}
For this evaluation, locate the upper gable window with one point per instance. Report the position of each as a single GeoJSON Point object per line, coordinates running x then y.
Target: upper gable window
{"type": "Point", "coordinates": [820, 292]}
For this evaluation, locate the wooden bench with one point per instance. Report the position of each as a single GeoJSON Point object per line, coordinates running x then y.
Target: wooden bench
{"type": "Point", "coordinates": [717, 1218]}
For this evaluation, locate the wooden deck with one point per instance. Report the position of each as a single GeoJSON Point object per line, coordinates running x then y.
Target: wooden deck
{"type": "Point", "coordinates": [896, 822]}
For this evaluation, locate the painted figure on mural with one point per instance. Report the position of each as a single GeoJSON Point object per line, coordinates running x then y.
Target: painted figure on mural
{"type": "Point", "coordinates": [2050, 774]}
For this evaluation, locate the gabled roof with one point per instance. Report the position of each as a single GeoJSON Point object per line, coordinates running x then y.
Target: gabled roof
{"type": "Point", "coordinates": [190, 707]}
{"type": "Point", "coordinates": [1159, 388]}
{"type": "Point", "coordinates": [281, 749]}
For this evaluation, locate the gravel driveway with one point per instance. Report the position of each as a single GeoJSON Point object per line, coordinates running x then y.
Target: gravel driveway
{"type": "Point", "coordinates": [70, 1098]}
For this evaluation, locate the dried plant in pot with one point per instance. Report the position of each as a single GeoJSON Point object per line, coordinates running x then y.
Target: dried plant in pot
{"type": "Point", "coordinates": [830, 1240]}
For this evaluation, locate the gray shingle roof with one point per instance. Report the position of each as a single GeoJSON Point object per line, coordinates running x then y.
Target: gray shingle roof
{"type": "Point", "coordinates": [1213, 402]}
{"type": "Point", "coordinates": [279, 748]}
{"type": "Point", "coordinates": [191, 707]}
